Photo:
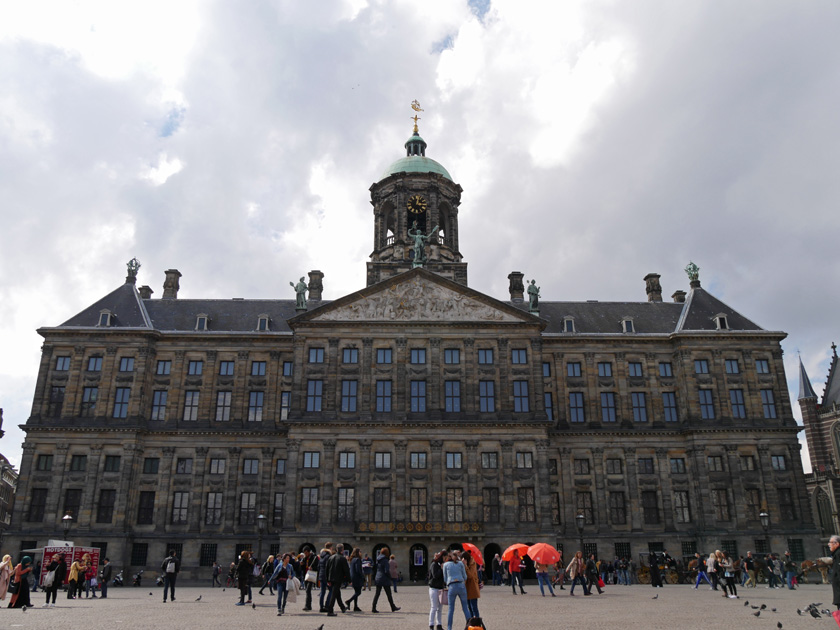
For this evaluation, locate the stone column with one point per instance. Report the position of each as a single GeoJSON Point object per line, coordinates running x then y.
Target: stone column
{"type": "Point", "coordinates": [327, 507]}
{"type": "Point", "coordinates": [469, 390]}
{"type": "Point", "coordinates": [401, 389]}
{"type": "Point", "coordinates": [504, 399]}
{"type": "Point", "coordinates": [198, 489]}
{"type": "Point", "coordinates": [437, 489]}
{"type": "Point", "coordinates": [332, 399]}
{"type": "Point", "coordinates": [666, 487]}
{"type": "Point", "coordinates": [94, 473]}
{"type": "Point", "coordinates": [543, 488]}
{"type": "Point", "coordinates": [365, 465]}
{"type": "Point", "coordinates": [230, 516]}
{"type": "Point", "coordinates": [401, 497]}
{"type": "Point", "coordinates": [434, 385]}
{"type": "Point", "coordinates": [60, 466]}
{"type": "Point", "coordinates": [600, 500]}
{"type": "Point", "coordinates": [290, 508]}
{"type": "Point", "coordinates": [162, 499]}
{"type": "Point", "coordinates": [474, 498]}
{"type": "Point", "coordinates": [634, 507]}
{"type": "Point", "coordinates": [508, 498]}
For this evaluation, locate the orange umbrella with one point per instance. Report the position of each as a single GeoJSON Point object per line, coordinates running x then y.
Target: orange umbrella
{"type": "Point", "coordinates": [475, 552]}
{"type": "Point", "coordinates": [508, 554]}
{"type": "Point", "coordinates": [543, 553]}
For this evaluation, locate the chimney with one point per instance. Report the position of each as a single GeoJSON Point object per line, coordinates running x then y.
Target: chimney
{"type": "Point", "coordinates": [146, 292]}
{"type": "Point", "coordinates": [171, 284]}
{"type": "Point", "coordinates": [653, 288]}
{"type": "Point", "coordinates": [679, 297]}
{"type": "Point", "coordinates": [517, 288]}
{"type": "Point", "coordinates": [316, 285]}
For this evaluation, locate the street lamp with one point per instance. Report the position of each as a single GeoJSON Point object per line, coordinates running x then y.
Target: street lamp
{"type": "Point", "coordinates": [66, 523]}
{"type": "Point", "coordinates": [580, 520]}
{"type": "Point", "coordinates": [261, 525]}
{"type": "Point", "coordinates": [764, 517]}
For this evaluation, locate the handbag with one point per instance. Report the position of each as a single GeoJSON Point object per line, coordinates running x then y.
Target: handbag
{"type": "Point", "coordinates": [601, 583]}
{"type": "Point", "coordinates": [311, 576]}
{"type": "Point", "coordinates": [49, 578]}
{"type": "Point", "coordinates": [443, 597]}
{"type": "Point", "coordinates": [13, 587]}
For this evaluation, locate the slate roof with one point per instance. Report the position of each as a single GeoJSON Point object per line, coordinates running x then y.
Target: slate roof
{"type": "Point", "coordinates": [127, 310]}
{"type": "Point", "coordinates": [224, 315]}
{"type": "Point", "coordinates": [831, 394]}
{"type": "Point", "coordinates": [606, 317]}
{"type": "Point", "coordinates": [701, 307]}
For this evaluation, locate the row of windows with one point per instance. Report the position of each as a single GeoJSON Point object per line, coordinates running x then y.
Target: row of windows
{"type": "Point", "coordinates": [636, 370]}
{"type": "Point", "coordinates": [677, 465]}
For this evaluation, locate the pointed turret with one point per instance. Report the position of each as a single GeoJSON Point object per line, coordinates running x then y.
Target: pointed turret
{"type": "Point", "coordinates": [805, 389]}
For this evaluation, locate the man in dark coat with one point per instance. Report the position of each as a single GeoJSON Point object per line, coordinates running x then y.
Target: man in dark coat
{"type": "Point", "coordinates": [170, 568]}
{"type": "Point", "coordinates": [834, 546]}
{"type": "Point", "coordinates": [338, 572]}
{"type": "Point", "coordinates": [325, 554]}
{"type": "Point", "coordinates": [592, 574]}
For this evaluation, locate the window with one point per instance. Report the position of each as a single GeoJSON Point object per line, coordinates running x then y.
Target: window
{"type": "Point", "coordinates": [618, 509]}
{"type": "Point", "coordinates": [346, 505]}
{"type": "Point", "coordinates": [768, 403]}
{"type": "Point", "coordinates": [747, 462]}
{"type": "Point", "coordinates": [762, 366]}
{"type": "Point", "coordinates": [634, 369]}
{"type": "Point", "coordinates": [627, 325]}
{"type": "Point", "coordinates": [701, 366]}
{"type": "Point", "coordinates": [226, 368]}
{"type": "Point", "coordinates": [150, 465]}
{"type": "Point", "coordinates": [195, 368]}
{"type": "Point", "coordinates": [583, 505]}
{"type": "Point", "coordinates": [62, 364]}
{"type": "Point", "coordinates": [720, 501]}
{"type": "Point", "coordinates": [576, 412]}
{"type": "Point", "coordinates": [146, 508]}
{"type": "Point", "coordinates": [257, 368]}
{"type": "Point", "coordinates": [248, 508]}
{"type": "Point", "coordinates": [383, 396]}
{"type": "Point", "coordinates": [191, 405]}
{"type": "Point", "coordinates": [452, 391]}
{"type": "Point", "coordinates": [569, 324]}
{"type": "Point", "coordinates": [721, 323]}
{"type": "Point", "coordinates": [418, 396]}
{"type": "Point", "coordinates": [613, 466]}
{"type": "Point", "coordinates": [348, 396]}
{"type": "Point", "coordinates": [279, 505]}
{"type": "Point", "coordinates": [519, 356]}
{"type": "Point", "coordinates": [485, 357]}
{"type": "Point", "coordinates": [382, 460]}
{"type": "Point", "coordinates": [255, 406]}
{"type": "Point", "coordinates": [786, 506]}
{"type": "Point", "coordinates": [250, 466]}
{"type": "Point", "coordinates": [105, 509]}
{"type": "Point", "coordinates": [180, 504]}
{"type": "Point", "coordinates": [715, 463]}
{"type": "Point", "coordinates": [778, 462]}
{"type": "Point", "coordinates": [285, 404]}
{"type": "Point", "coordinates": [707, 405]}
{"type": "Point", "coordinates": [520, 397]}
{"type": "Point", "coordinates": [608, 406]}
{"type": "Point", "coordinates": [350, 355]}
{"type": "Point", "coordinates": [163, 368]}
{"type": "Point", "coordinates": [490, 460]}
{"type": "Point", "coordinates": [89, 396]}
{"type": "Point", "coordinates": [44, 462]}
{"type": "Point", "coordinates": [650, 507]}
{"type": "Point", "coordinates": [121, 402]}
{"type": "Point", "coordinates": [94, 364]}
{"type": "Point", "coordinates": [581, 466]}
{"type": "Point", "coordinates": [681, 512]}
{"type": "Point", "coordinates": [316, 355]}
{"type": "Point", "coordinates": [201, 322]}
{"type": "Point", "coordinates": [112, 463]}
{"type": "Point", "coordinates": [312, 459]}
{"type": "Point", "coordinates": [417, 504]}
{"type": "Point", "coordinates": [527, 509]}
{"type": "Point", "coordinates": [665, 370]}
{"type": "Point", "coordinates": [555, 508]}
{"type": "Point", "coordinates": [207, 554]}
{"type": "Point", "coordinates": [639, 401]}
{"type": "Point", "coordinates": [78, 463]}
{"type": "Point", "coordinates": [486, 396]}
{"type": "Point", "coordinates": [736, 401]}
{"type": "Point", "coordinates": [548, 401]}
{"type": "Point", "coordinates": [797, 549]}
{"type": "Point", "coordinates": [159, 404]}
{"type": "Point", "coordinates": [347, 459]}
{"type": "Point", "coordinates": [454, 505]}
{"type": "Point", "coordinates": [56, 401]}
{"type": "Point", "coordinates": [677, 466]}
{"type": "Point", "coordinates": [669, 406]}
{"type": "Point", "coordinates": [490, 501]}
{"type": "Point", "coordinates": [37, 505]}
{"type": "Point", "coordinates": [217, 466]}
{"type": "Point", "coordinates": [453, 460]}
{"type": "Point", "coordinates": [314, 394]}
{"type": "Point", "coordinates": [288, 368]}
{"type": "Point", "coordinates": [139, 554]}
{"type": "Point", "coordinates": [280, 468]}
{"type": "Point", "coordinates": [524, 459]}
{"type": "Point", "coordinates": [732, 366]}
{"type": "Point", "coordinates": [605, 370]}
{"type": "Point", "coordinates": [383, 355]}
{"type": "Point", "coordinates": [184, 466]}
{"type": "Point", "coordinates": [381, 505]}
{"type": "Point", "coordinates": [418, 355]}
{"type": "Point", "coordinates": [546, 369]}
{"type": "Point", "coordinates": [262, 323]}
{"type": "Point", "coordinates": [573, 370]}
{"type": "Point", "coordinates": [417, 460]}
{"type": "Point", "coordinates": [753, 503]}
{"type": "Point", "coordinates": [223, 400]}
{"type": "Point", "coordinates": [127, 364]}
{"type": "Point", "coordinates": [646, 465]}
{"type": "Point", "coordinates": [452, 356]}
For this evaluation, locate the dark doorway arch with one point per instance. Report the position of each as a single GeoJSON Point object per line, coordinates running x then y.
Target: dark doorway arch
{"type": "Point", "coordinates": [530, 573]}
{"type": "Point", "coordinates": [307, 545]}
{"type": "Point", "coordinates": [418, 562]}
{"type": "Point", "coordinates": [490, 551]}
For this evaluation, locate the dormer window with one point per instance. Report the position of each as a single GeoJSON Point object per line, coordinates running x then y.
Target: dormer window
{"type": "Point", "coordinates": [201, 322]}
{"type": "Point", "coordinates": [262, 323]}
{"type": "Point", "coordinates": [721, 322]}
{"type": "Point", "coordinates": [104, 319]}
{"type": "Point", "coordinates": [569, 324]}
{"type": "Point", "coordinates": [627, 325]}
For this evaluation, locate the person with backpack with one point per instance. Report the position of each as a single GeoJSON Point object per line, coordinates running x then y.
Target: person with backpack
{"type": "Point", "coordinates": [170, 568]}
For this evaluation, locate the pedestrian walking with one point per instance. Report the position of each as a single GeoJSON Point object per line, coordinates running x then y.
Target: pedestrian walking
{"type": "Point", "coordinates": [58, 568]}
{"type": "Point", "coordinates": [357, 578]}
{"type": "Point", "coordinates": [170, 568]}
{"type": "Point", "coordinates": [383, 579]}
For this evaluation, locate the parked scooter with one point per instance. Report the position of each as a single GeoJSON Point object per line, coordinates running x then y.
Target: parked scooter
{"type": "Point", "coordinates": [159, 580]}
{"type": "Point", "coordinates": [118, 580]}
{"type": "Point", "coordinates": [137, 577]}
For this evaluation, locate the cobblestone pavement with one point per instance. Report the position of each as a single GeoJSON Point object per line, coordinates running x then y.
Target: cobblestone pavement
{"type": "Point", "coordinates": [677, 606]}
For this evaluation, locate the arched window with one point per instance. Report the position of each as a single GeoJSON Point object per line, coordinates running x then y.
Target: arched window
{"type": "Point", "coordinates": [824, 513]}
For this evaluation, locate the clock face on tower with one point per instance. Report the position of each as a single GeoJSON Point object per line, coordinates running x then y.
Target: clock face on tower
{"type": "Point", "coordinates": [416, 204]}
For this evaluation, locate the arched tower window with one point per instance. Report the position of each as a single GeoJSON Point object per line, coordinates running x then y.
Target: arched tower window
{"type": "Point", "coordinates": [824, 513]}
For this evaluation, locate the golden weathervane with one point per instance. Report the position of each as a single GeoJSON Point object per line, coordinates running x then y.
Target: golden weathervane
{"type": "Point", "coordinates": [415, 105]}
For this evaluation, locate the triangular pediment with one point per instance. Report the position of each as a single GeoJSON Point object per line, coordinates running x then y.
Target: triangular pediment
{"type": "Point", "coordinates": [417, 296]}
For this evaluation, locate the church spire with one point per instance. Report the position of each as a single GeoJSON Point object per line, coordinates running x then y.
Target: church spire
{"type": "Point", "coordinates": [805, 389]}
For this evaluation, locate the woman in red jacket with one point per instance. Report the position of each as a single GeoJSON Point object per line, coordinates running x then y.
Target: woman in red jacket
{"type": "Point", "coordinates": [515, 569]}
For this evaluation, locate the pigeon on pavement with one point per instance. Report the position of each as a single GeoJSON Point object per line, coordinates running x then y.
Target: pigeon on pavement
{"type": "Point", "coordinates": [756, 613]}
{"type": "Point", "coordinates": [199, 598]}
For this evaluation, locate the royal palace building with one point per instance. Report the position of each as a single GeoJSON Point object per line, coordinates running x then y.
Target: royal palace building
{"type": "Point", "coordinates": [416, 412]}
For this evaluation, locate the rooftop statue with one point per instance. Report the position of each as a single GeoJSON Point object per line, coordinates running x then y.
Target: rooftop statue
{"type": "Point", "coordinates": [420, 243]}
{"type": "Point", "coordinates": [300, 294]}
{"type": "Point", "coordinates": [133, 266]}
{"type": "Point", "coordinates": [533, 297]}
{"type": "Point", "coordinates": [693, 272]}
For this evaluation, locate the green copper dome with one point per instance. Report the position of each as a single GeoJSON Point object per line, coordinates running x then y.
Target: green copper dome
{"type": "Point", "coordinates": [415, 160]}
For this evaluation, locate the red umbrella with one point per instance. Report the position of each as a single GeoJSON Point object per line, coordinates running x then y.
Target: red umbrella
{"type": "Point", "coordinates": [543, 553]}
{"type": "Point", "coordinates": [475, 552]}
{"type": "Point", "coordinates": [508, 554]}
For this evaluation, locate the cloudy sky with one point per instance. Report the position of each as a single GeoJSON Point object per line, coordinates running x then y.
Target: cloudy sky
{"type": "Point", "coordinates": [595, 142]}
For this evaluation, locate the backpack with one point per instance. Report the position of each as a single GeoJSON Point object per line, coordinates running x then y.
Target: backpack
{"type": "Point", "coordinates": [475, 623]}
{"type": "Point", "coordinates": [170, 567]}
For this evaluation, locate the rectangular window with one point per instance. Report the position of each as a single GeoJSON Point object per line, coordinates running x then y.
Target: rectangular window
{"type": "Point", "coordinates": [707, 405]}
{"type": "Point", "coordinates": [121, 402]}
{"type": "Point", "coordinates": [639, 401]}
{"type": "Point", "coordinates": [762, 366]}
{"type": "Point", "coordinates": [159, 404]}
{"type": "Point", "coordinates": [279, 506]}
{"type": "Point", "coordinates": [417, 504]}
{"type": "Point", "coordinates": [645, 465]}
{"type": "Point", "coordinates": [778, 462]}
{"type": "Point", "coordinates": [78, 463]}
{"type": "Point", "coordinates": [715, 463]}
{"type": "Point", "coordinates": [255, 406]}
{"type": "Point", "coordinates": [417, 460]}
{"type": "Point", "coordinates": [701, 366]}
{"type": "Point", "coordinates": [608, 406]}
{"type": "Point", "coordinates": [677, 466]}
{"type": "Point", "coordinates": [348, 396]}
{"type": "Point", "coordinates": [44, 462]}
{"type": "Point", "coordinates": [288, 368]}
{"type": "Point", "coordinates": [520, 397]}
{"type": "Point", "coordinates": [613, 466]}
{"type": "Point", "coordinates": [527, 507]}
{"type": "Point", "coordinates": [163, 368]}
{"type": "Point", "coordinates": [605, 370]}
{"type": "Point", "coordinates": [316, 355]}
{"type": "Point", "coordinates": [650, 507]}
{"type": "Point", "coordinates": [314, 394]}
{"type": "Point", "coordinates": [618, 509]}
{"type": "Point", "coordinates": [669, 406]}
{"type": "Point", "coordinates": [191, 405]}
{"type": "Point", "coordinates": [127, 364]}
{"type": "Point", "coordinates": [195, 368]}
{"type": "Point", "coordinates": [453, 396]}
{"type": "Point", "coordinates": [346, 505]}
{"type": "Point", "coordinates": [383, 396]}
{"type": "Point", "coordinates": [546, 369]}
{"type": "Point", "coordinates": [418, 396]}
{"type": "Point", "coordinates": [347, 459]}
{"type": "Point", "coordinates": [666, 370]}
{"type": "Point", "coordinates": [94, 364]}
{"type": "Point", "coordinates": [280, 468]}
{"type": "Point", "coordinates": [146, 508]}
{"type": "Point", "coordinates": [139, 554]}
{"type": "Point", "coordinates": [207, 555]}
{"type": "Point", "coordinates": [555, 508]}
{"type": "Point", "coordinates": [490, 501]}
{"type": "Point", "coordinates": [248, 508]}
{"type": "Point", "coordinates": [89, 397]}
{"type": "Point", "coordinates": [583, 505]}
{"type": "Point", "coordinates": [350, 355]}
{"type": "Point", "coordinates": [720, 501]}
{"type": "Point", "coordinates": [73, 502]}
{"type": "Point", "coordinates": [768, 403]}
{"type": "Point", "coordinates": [548, 401]}
{"type": "Point", "coordinates": [257, 368]}
{"type": "Point", "coordinates": [150, 465]}
{"type": "Point", "coordinates": [452, 356]}
{"type": "Point", "coordinates": [217, 466]}
{"type": "Point", "coordinates": [736, 401]}
{"type": "Point", "coordinates": [797, 549]}
{"type": "Point", "coordinates": [56, 401]}
{"type": "Point", "coordinates": [732, 366]}
{"type": "Point", "coordinates": [62, 364]}
{"type": "Point", "coordinates": [747, 462]}
{"type": "Point", "coordinates": [573, 370]}
{"type": "Point", "coordinates": [581, 466]}
{"type": "Point", "coordinates": [490, 461]}
{"type": "Point", "coordinates": [312, 459]}
{"type": "Point", "coordinates": [453, 460]}
{"type": "Point", "coordinates": [285, 404]}
{"type": "Point", "coordinates": [184, 466]}
{"type": "Point", "coordinates": [486, 396]}
{"type": "Point", "coordinates": [786, 506]}
{"type": "Point", "coordinates": [223, 401]}
{"type": "Point", "coordinates": [112, 463]}
{"type": "Point", "coordinates": [454, 505]}
{"type": "Point", "coordinates": [382, 460]}
{"type": "Point", "coordinates": [753, 503]}
{"type": "Point", "coordinates": [485, 357]}
{"type": "Point", "coordinates": [634, 369]}
{"type": "Point", "coordinates": [180, 505]}
{"type": "Point", "coordinates": [576, 411]}
{"type": "Point", "coordinates": [681, 512]}
{"type": "Point", "coordinates": [226, 368]}
{"type": "Point", "coordinates": [418, 356]}
{"type": "Point", "coordinates": [381, 505]}
{"type": "Point", "coordinates": [383, 355]}
{"type": "Point", "coordinates": [105, 509]}
{"type": "Point", "coordinates": [37, 505]}
{"type": "Point", "coordinates": [519, 356]}
{"type": "Point", "coordinates": [250, 466]}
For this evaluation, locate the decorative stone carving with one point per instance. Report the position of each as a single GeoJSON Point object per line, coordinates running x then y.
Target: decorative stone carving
{"type": "Point", "coordinates": [292, 444]}
{"type": "Point", "coordinates": [436, 444]}
{"type": "Point", "coordinates": [201, 451]}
